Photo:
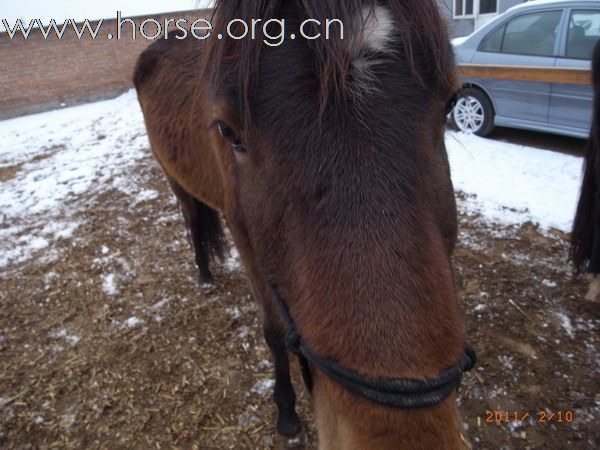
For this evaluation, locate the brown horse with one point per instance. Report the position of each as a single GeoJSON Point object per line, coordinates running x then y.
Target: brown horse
{"type": "Point", "coordinates": [585, 238]}
{"type": "Point", "coordinates": [327, 159]}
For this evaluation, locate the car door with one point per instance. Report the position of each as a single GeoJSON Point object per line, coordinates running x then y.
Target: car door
{"type": "Point", "coordinates": [570, 104]}
{"type": "Point", "coordinates": [528, 39]}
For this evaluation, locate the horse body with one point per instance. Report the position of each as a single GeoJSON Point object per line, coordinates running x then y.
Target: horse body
{"type": "Point", "coordinates": [166, 83]}
{"type": "Point", "coordinates": [164, 72]}
{"type": "Point", "coordinates": [328, 163]}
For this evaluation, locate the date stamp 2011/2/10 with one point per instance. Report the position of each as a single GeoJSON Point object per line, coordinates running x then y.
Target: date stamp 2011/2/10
{"type": "Point", "coordinates": [545, 416]}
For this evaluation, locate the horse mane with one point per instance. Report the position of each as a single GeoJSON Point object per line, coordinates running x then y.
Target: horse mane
{"type": "Point", "coordinates": [582, 235]}
{"type": "Point", "coordinates": [419, 32]}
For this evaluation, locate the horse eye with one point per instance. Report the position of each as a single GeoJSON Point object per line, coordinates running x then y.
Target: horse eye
{"type": "Point", "coordinates": [227, 133]}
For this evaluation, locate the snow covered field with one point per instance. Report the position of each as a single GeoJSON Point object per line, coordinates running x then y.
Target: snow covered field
{"type": "Point", "coordinates": [513, 183]}
{"type": "Point", "coordinates": [103, 327]}
{"type": "Point", "coordinates": [48, 160]}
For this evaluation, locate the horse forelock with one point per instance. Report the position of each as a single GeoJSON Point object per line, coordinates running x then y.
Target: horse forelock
{"type": "Point", "coordinates": [412, 30]}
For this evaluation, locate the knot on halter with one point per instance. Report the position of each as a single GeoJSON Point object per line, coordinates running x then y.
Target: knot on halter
{"type": "Point", "coordinates": [470, 358]}
{"type": "Point", "coordinates": [293, 341]}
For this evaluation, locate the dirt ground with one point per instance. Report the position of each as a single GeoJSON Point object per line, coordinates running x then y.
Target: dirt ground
{"type": "Point", "coordinates": [107, 342]}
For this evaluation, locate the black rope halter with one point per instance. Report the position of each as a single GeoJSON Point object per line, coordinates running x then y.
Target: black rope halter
{"type": "Point", "coordinates": [396, 393]}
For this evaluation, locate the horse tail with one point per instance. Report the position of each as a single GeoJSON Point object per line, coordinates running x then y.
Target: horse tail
{"type": "Point", "coordinates": [203, 225]}
{"type": "Point", "coordinates": [583, 224]}
{"type": "Point", "coordinates": [207, 230]}
{"type": "Point", "coordinates": [586, 225]}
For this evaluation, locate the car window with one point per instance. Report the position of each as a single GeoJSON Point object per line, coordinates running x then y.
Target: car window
{"type": "Point", "coordinates": [532, 34]}
{"type": "Point", "coordinates": [493, 41]}
{"type": "Point", "coordinates": [584, 31]}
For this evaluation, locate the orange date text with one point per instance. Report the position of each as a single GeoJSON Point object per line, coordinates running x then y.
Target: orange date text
{"type": "Point", "coordinates": [542, 416]}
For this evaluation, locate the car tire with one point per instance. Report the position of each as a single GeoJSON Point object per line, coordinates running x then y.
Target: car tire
{"type": "Point", "coordinates": [473, 112]}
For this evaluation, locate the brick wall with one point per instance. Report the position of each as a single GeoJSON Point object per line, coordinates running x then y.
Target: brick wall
{"type": "Point", "coordinates": [38, 74]}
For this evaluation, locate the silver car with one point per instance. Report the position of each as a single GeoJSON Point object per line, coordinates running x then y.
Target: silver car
{"type": "Point", "coordinates": [544, 33]}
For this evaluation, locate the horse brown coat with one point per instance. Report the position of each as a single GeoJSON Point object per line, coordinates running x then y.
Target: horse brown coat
{"type": "Point", "coordinates": [329, 166]}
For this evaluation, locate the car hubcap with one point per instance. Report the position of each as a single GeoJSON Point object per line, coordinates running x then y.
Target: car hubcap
{"type": "Point", "coordinates": [468, 114]}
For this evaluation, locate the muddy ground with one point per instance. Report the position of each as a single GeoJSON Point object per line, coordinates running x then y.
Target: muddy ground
{"type": "Point", "coordinates": [106, 341]}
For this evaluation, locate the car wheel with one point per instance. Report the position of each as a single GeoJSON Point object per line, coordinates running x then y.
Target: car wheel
{"type": "Point", "coordinates": [473, 112]}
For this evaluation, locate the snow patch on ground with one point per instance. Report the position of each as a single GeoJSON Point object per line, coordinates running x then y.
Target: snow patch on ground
{"type": "Point", "coordinates": [232, 262]}
{"type": "Point", "coordinates": [507, 362]}
{"type": "Point", "coordinates": [160, 303]}
{"type": "Point", "coordinates": [234, 313]}
{"type": "Point", "coordinates": [48, 160]}
{"type": "Point", "coordinates": [133, 322]}
{"type": "Point", "coordinates": [514, 183]}
{"type": "Point", "coordinates": [108, 284]}
{"type": "Point", "coordinates": [62, 333]}
{"type": "Point", "coordinates": [264, 365]}
{"type": "Point", "coordinates": [146, 195]}
{"type": "Point", "coordinates": [565, 322]}
{"type": "Point", "coordinates": [263, 387]}
{"type": "Point", "coordinates": [244, 333]}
